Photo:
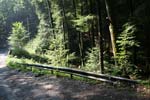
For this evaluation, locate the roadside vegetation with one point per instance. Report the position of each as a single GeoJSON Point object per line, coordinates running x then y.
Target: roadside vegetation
{"type": "Point", "coordinates": [99, 36]}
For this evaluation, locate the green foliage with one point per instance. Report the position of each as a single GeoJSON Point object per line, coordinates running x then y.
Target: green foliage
{"type": "Point", "coordinates": [127, 38]}
{"type": "Point", "coordinates": [20, 53]}
{"type": "Point", "coordinates": [16, 63]}
{"type": "Point", "coordinates": [12, 61]}
{"type": "Point", "coordinates": [146, 83]}
{"type": "Point", "coordinates": [82, 23]}
{"type": "Point", "coordinates": [57, 15]}
{"type": "Point", "coordinates": [2, 30]}
{"type": "Point", "coordinates": [41, 42]}
{"type": "Point", "coordinates": [66, 26]}
{"type": "Point", "coordinates": [58, 55]}
{"type": "Point", "coordinates": [38, 45]}
{"type": "Point", "coordinates": [92, 60]}
{"type": "Point", "coordinates": [19, 36]}
{"type": "Point", "coordinates": [19, 5]}
{"type": "Point", "coordinates": [126, 42]}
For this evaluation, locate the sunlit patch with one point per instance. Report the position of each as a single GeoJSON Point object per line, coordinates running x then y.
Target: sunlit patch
{"type": "Point", "coordinates": [3, 57]}
{"type": "Point", "coordinates": [48, 87]}
{"type": "Point", "coordinates": [42, 92]}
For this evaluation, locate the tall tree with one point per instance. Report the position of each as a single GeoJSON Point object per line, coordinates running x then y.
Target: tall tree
{"type": "Point", "coordinates": [111, 26]}
{"type": "Point", "coordinates": [100, 36]}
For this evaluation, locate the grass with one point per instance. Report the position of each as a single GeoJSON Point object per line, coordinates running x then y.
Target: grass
{"type": "Point", "coordinates": [145, 83]}
{"type": "Point", "coordinates": [15, 63]}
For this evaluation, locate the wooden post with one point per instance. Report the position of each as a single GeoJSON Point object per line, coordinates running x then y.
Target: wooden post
{"type": "Point", "coordinates": [71, 76]}
{"type": "Point", "coordinates": [52, 72]}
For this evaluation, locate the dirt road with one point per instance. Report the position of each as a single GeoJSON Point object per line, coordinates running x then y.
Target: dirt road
{"type": "Point", "coordinates": [3, 56]}
{"type": "Point", "coordinates": [16, 85]}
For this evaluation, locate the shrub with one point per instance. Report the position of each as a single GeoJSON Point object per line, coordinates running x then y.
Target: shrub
{"type": "Point", "coordinates": [19, 52]}
{"type": "Point", "coordinates": [126, 42]}
{"type": "Point", "coordinates": [92, 60]}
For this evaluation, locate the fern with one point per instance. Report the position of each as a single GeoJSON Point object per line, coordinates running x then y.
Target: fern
{"type": "Point", "coordinates": [126, 42]}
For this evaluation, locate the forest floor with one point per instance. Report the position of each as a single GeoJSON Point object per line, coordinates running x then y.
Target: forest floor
{"type": "Point", "coordinates": [15, 85]}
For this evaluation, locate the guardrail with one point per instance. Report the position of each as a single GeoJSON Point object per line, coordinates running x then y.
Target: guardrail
{"type": "Point", "coordinates": [90, 75]}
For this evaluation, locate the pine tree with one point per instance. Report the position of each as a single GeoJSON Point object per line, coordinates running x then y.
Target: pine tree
{"type": "Point", "coordinates": [19, 36]}
{"type": "Point", "coordinates": [58, 55]}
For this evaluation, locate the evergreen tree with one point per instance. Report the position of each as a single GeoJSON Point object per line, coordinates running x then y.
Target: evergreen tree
{"type": "Point", "coordinates": [126, 42]}
{"type": "Point", "coordinates": [19, 36]}
{"type": "Point", "coordinates": [58, 55]}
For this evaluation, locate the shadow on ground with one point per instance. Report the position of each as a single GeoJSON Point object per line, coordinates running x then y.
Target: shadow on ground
{"type": "Point", "coordinates": [25, 86]}
{"type": "Point", "coordinates": [16, 85]}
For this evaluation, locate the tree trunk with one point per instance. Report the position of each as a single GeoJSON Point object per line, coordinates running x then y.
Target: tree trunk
{"type": "Point", "coordinates": [74, 7]}
{"type": "Point", "coordinates": [50, 17]}
{"type": "Point", "coordinates": [81, 37]}
{"type": "Point", "coordinates": [65, 24]}
{"type": "Point", "coordinates": [130, 3]}
{"type": "Point", "coordinates": [111, 28]}
{"type": "Point", "coordinates": [100, 36]}
{"type": "Point", "coordinates": [81, 48]}
{"type": "Point", "coordinates": [92, 25]}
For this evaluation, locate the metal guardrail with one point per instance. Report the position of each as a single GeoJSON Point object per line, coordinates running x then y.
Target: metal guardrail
{"type": "Point", "coordinates": [71, 71]}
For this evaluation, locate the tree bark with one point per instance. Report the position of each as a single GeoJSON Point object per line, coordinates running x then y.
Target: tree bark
{"type": "Point", "coordinates": [65, 24]}
{"type": "Point", "coordinates": [92, 25]}
{"type": "Point", "coordinates": [111, 28]}
{"type": "Point", "coordinates": [130, 3]}
{"type": "Point", "coordinates": [50, 17]}
{"type": "Point", "coordinates": [81, 48]}
{"type": "Point", "coordinates": [100, 37]}
{"type": "Point", "coordinates": [74, 7]}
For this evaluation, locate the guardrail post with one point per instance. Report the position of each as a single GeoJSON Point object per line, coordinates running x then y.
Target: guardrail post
{"type": "Point", "coordinates": [52, 72]}
{"type": "Point", "coordinates": [71, 76]}
{"type": "Point", "coordinates": [40, 71]}
{"type": "Point", "coordinates": [31, 69]}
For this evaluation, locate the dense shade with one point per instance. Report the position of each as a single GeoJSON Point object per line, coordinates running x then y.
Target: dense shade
{"type": "Point", "coordinates": [102, 36]}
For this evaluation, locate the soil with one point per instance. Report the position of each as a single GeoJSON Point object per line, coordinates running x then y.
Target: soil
{"type": "Point", "coordinates": [16, 85]}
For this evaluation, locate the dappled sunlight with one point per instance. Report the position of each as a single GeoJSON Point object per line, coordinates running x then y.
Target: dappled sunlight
{"type": "Point", "coordinates": [71, 49]}
{"type": "Point", "coordinates": [28, 87]}
{"type": "Point", "coordinates": [49, 86]}
{"type": "Point", "coordinates": [3, 56]}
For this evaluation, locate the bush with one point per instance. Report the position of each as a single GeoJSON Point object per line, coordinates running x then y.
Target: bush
{"type": "Point", "coordinates": [22, 53]}
{"type": "Point", "coordinates": [126, 42]}
{"type": "Point", "coordinates": [92, 60]}
{"type": "Point", "coordinates": [19, 52]}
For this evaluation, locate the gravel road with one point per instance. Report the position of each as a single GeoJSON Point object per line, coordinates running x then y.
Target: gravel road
{"type": "Point", "coordinates": [15, 85]}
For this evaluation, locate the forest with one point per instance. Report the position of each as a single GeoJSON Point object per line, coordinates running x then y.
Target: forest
{"type": "Point", "coordinates": [101, 36]}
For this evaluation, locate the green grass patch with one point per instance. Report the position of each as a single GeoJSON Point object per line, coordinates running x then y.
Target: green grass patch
{"type": "Point", "coordinates": [15, 63]}
{"type": "Point", "coordinates": [146, 83]}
